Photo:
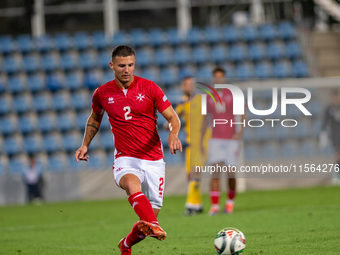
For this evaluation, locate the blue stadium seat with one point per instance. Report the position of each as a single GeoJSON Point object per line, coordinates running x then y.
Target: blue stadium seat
{"type": "Point", "coordinates": [87, 60]}
{"type": "Point", "coordinates": [97, 160]}
{"type": "Point", "coordinates": [282, 133]}
{"type": "Point", "coordinates": [109, 76]}
{"type": "Point", "coordinates": [3, 168]}
{"type": "Point", "coordinates": [107, 141]}
{"type": "Point", "coordinates": [49, 62]}
{"type": "Point", "coordinates": [11, 64]}
{"type": "Point", "coordinates": [81, 40]}
{"type": "Point", "coordinates": [27, 124]}
{"type": "Point", "coordinates": [238, 52]}
{"type": "Point", "coordinates": [22, 103]}
{"type": "Point", "coordinates": [144, 58]}
{"type": "Point", "coordinates": [182, 55]}
{"type": "Point", "coordinates": [104, 59]}
{"type": "Point", "coordinates": [54, 82]}
{"type": "Point", "coordinates": [250, 33]}
{"type": "Point", "coordinates": [160, 121]}
{"type": "Point", "coordinates": [264, 70]}
{"type": "Point", "coordinates": [276, 50]}
{"type": "Point", "coordinates": [195, 36]}
{"type": "Point", "coordinates": [205, 72]}
{"type": "Point", "coordinates": [293, 50]}
{"type": "Point", "coordinates": [186, 71]}
{"type": "Point", "coordinates": [290, 150]}
{"type": "Point", "coordinates": [73, 81]}
{"type": "Point", "coordinates": [81, 100]}
{"type": "Point", "coordinates": [6, 44]}
{"type": "Point", "coordinates": [213, 34]}
{"type": "Point", "coordinates": [81, 119]}
{"type": "Point", "coordinates": [61, 101]}
{"type": "Point", "coordinates": [92, 80]}
{"type": "Point", "coordinates": [12, 145]}
{"type": "Point", "coordinates": [175, 159]}
{"type": "Point", "coordinates": [73, 165]}
{"type": "Point", "coordinates": [302, 130]}
{"type": "Point", "coordinates": [25, 43]}
{"type": "Point", "coordinates": [282, 69]}
{"type": "Point", "coordinates": [35, 83]}
{"type": "Point", "coordinates": [99, 40]}
{"type": "Point", "coordinates": [201, 55]}
{"type": "Point", "coordinates": [300, 69]}
{"type": "Point", "coordinates": [5, 104]}
{"type": "Point", "coordinates": [31, 63]}
{"type": "Point", "coordinates": [309, 148]}
{"type": "Point", "coordinates": [15, 84]}
{"type": "Point", "coordinates": [105, 125]}
{"type": "Point", "coordinates": [257, 51]}
{"type": "Point", "coordinates": [268, 32]}
{"type": "Point", "coordinates": [72, 141]}
{"type": "Point", "coordinates": [270, 151]}
{"type": "Point", "coordinates": [265, 133]}
{"type": "Point", "coordinates": [8, 124]}
{"type": "Point", "coordinates": [47, 122]}
{"type": "Point", "coordinates": [120, 38]}
{"type": "Point", "coordinates": [230, 71]}
{"type": "Point", "coordinates": [52, 142]}
{"type": "Point", "coordinates": [164, 135]}
{"type": "Point", "coordinates": [251, 152]}
{"type": "Point", "coordinates": [244, 71]}
{"type": "Point", "coordinates": [42, 102]}
{"type": "Point", "coordinates": [174, 96]}
{"type": "Point", "coordinates": [287, 30]}
{"type": "Point", "coordinates": [68, 61]}
{"type": "Point", "coordinates": [169, 76]}
{"type": "Point", "coordinates": [157, 37]}
{"type": "Point", "coordinates": [138, 37]}
{"type": "Point", "coordinates": [314, 107]}
{"type": "Point", "coordinates": [164, 57]}
{"type": "Point", "coordinates": [219, 53]}
{"type": "Point", "coordinates": [151, 74]}
{"type": "Point", "coordinates": [231, 34]}
{"type": "Point", "coordinates": [16, 165]}
{"type": "Point", "coordinates": [174, 37]}
{"type": "Point", "coordinates": [62, 41]}
{"type": "Point", "coordinates": [57, 163]}
{"type": "Point", "coordinates": [44, 43]}
{"type": "Point", "coordinates": [33, 144]}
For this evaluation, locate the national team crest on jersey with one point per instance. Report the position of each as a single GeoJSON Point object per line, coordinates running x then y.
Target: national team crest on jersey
{"type": "Point", "coordinates": [140, 97]}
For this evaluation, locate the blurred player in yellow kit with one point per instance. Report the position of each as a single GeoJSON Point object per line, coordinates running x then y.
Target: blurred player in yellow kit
{"type": "Point", "coordinates": [193, 156]}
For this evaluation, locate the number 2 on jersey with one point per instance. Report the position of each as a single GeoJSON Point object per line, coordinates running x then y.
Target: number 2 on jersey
{"type": "Point", "coordinates": [128, 110]}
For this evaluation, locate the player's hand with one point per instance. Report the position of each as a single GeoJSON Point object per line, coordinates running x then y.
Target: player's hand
{"type": "Point", "coordinates": [174, 143]}
{"type": "Point", "coordinates": [81, 153]}
{"type": "Point", "coordinates": [237, 136]}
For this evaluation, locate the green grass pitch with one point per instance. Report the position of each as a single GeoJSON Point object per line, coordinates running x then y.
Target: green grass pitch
{"type": "Point", "coordinates": [295, 221]}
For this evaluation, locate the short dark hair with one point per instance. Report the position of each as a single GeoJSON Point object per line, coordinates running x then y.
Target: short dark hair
{"type": "Point", "coordinates": [122, 51]}
{"type": "Point", "coordinates": [218, 69]}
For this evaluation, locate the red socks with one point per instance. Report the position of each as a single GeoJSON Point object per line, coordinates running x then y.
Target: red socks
{"type": "Point", "coordinates": [215, 197]}
{"type": "Point", "coordinates": [135, 236]}
{"type": "Point", "coordinates": [231, 194]}
{"type": "Point", "coordinates": [142, 207]}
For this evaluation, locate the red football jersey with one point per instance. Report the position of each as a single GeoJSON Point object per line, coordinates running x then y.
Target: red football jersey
{"type": "Point", "coordinates": [224, 111]}
{"type": "Point", "coordinates": [132, 114]}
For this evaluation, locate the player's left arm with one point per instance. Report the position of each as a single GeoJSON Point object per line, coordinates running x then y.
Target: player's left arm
{"type": "Point", "coordinates": [174, 125]}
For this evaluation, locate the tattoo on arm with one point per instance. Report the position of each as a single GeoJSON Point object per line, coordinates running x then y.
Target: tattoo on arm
{"type": "Point", "coordinates": [92, 126]}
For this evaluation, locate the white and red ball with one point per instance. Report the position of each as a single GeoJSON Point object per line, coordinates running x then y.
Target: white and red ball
{"type": "Point", "coordinates": [230, 241]}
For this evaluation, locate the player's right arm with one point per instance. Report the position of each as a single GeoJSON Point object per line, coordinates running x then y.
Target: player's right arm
{"type": "Point", "coordinates": [91, 129]}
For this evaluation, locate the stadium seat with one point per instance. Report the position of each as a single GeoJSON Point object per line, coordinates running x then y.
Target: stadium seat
{"type": "Point", "coordinates": [11, 64]}
{"type": "Point", "coordinates": [62, 41]}
{"type": "Point", "coordinates": [265, 133]}
{"type": "Point", "coordinates": [138, 37]}
{"type": "Point", "coordinates": [164, 57]}
{"type": "Point", "coordinates": [107, 140]}
{"type": "Point", "coordinates": [144, 58]}
{"type": "Point", "coordinates": [57, 162]}
{"type": "Point", "coordinates": [8, 124]}
{"type": "Point", "coordinates": [80, 100]}
{"type": "Point", "coordinates": [230, 71]}
{"type": "Point", "coordinates": [238, 52]}
{"type": "Point", "coordinates": [174, 95]}
{"type": "Point", "coordinates": [268, 32]}
{"type": "Point", "coordinates": [257, 51]}
{"type": "Point", "coordinates": [293, 50]}
{"type": "Point", "coordinates": [282, 133]}
{"type": "Point", "coordinates": [314, 107]}
{"type": "Point", "coordinates": [81, 40]}
{"type": "Point", "coordinates": [182, 56]}
{"type": "Point", "coordinates": [105, 125]}
{"type": "Point", "coordinates": [231, 34]}
{"type": "Point", "coordinates": [169, 76]}
{"type": "Point", "coordinates": [220, 53]}
{"type": "Point", "coordinates": [81, 119]}
{"type": "Point", "coordinates": [175, 37]}
{"type": "Point", "coordinates": [120, 38]}
{"type": "Point", "coordinates": [13, 145]}
{"type": "Point", "coordinates": [15, 84]}
{"type": "Point", "coordinates": [151, 74]}
{"type": "Point", "coordinates": [263, 70]}
{"type": "Point", "coordinates": [302, 130]}
{"type": "Point", "coordinates": [250, 33]}
{"type": "Point", "coordinates": [87, 60]}
{"type": "Point", "coordinates": [52, 142]}
{"type": "Point", "coordinates": [47, 122]}
{"type": "Point", "coordinates": [300, 69]}
{"type": "Point", "coordinates": [205, 72]}
{"type": "Point", "coordinates": [54, 81]}
{"type": "Point", "coordinates": [44, 43]}
{"type": "Point", "coordinates": [35, 83]}
{"type": "Point", "coordinates": [5, 104]}
{"type": "Point", "coordinates": [104, 59]}
{"type": "Point", "coordinates": [251, 152]}
{"type": "Point", "coordinates": [33, 144]}
{"type": "Point", "coordinates": [92, 80]}
{"type": "Point", "coordinates": [31, 63]}
{"type": "Point", "coordinates": [96, 143]}
{"type": "Point", "coordinates": [27, 123]}
{"type": "Point", "coordinates": [97, 160]}
{"type": "Point", "coordinates": [290, 150]}
{"type": "Point", "coordinates": [175, 159]}
{"type": "Point", "coordinates": [66, 121]}
{"type": "Point", "coordinates": [49, 62]}
{"type": "Point", "coordinates": [73, 165]}
{"type": "Point", "coordinates": [164, 135]}
{"type": "Point", "coordinates": [195, 36]}
{"type": "Point", "coordinates": [42, 102]}
{"type": "Point", "coordinates": [157, 37]}
{"type": "Point", "coordinates": [16, 165]}
{"type": "Point", "coordinates": [73, 81]}
{"type": "Point", "coordinates": [287, 30]}
{"type": "Point", "coordinates": [309, 148]}
{"type": "Point", "coordinates": [316, 127]}
{"type": "Point", "coordinates": [270, 151]}
{"type": "Point", "coordinates": [201, 55]}
{"type": "Point", "coordinates": [2, 85]}
{"type": "Point", "coordinates": [276, 50]}
{"type": "Point", "coordinates": [22, 103]}
{"type": "Point", "coordinates": [72, 141]}
{"type": "Point", "coordinates": [187, 71]}
{"type": "Point", "coordinates": [61, 101]}
{"type": "Point", "coordinates": [68, 61]}
{"type": "Point", "coordinates": [99, 40]}
{"type": "Point", "coordinates": [109, 76]}
{"type": "Point", "coordinates": [6, 44]}
{"type": "Point", "coordinates": [244, 71]}
{"type": "Point", "coordinates": [213, 34]}
{"type": "Point", "coordinates": [3, 167]}
{"type": "Point", "coordinates": [161, 120]}
{"type": "Point", "coordinates": [25, 43]}
{"type": "Point", "coordinates": [282, 69]}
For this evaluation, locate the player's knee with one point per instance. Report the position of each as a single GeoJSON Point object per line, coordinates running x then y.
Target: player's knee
{"type": "Point", "coordinates": [130, 183]}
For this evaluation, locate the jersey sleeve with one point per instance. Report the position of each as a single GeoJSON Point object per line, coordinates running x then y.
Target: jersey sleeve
{"type": "Point", "coordinates": [160, 100]}
{"type": "Point", "coordinates": [96, 104]}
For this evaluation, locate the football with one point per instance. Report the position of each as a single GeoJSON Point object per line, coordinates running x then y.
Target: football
{"type": "Point", "coordinates": [230, 241]}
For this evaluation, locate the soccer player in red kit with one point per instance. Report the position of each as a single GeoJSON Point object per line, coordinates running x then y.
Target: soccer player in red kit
{"type": "Point", "coordinates": [132, 103]}
{"type": "Point", "coordinates": [224, 143]}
